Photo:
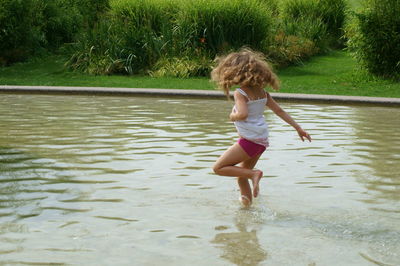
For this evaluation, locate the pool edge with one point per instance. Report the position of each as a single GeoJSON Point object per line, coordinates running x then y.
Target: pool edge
{"type": "Point", "coordinates": [195, 93]}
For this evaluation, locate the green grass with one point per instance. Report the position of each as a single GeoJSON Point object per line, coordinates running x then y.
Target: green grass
{"type": "Point", "coordinates": [334, 74]}
{"type": "Point", "coordinates": [50, 71]}
{"type": "Point", "coordinates": [355, 4]}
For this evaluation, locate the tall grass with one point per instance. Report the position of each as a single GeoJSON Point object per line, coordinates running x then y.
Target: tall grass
{"type": "Point", "coordinates": [150, 36]}
{"type": "Point", "coordinates": [321, 21]}
{"type": "Point", "coordinates": [98, 51]}
{"type": "Point", "coordinates": [147, 31]}
{"type": "Point", "coordinates": [218, 26]}
{"type": "Point", "coordinates": [374, 37]}
{"type": "Point", "coordinates": [128, 40]}
{"type": "Point", "coordinates": [138, 36]}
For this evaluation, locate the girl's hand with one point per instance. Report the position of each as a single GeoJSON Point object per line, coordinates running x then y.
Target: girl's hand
{"type": "Point", "coordinates": [303, 134]}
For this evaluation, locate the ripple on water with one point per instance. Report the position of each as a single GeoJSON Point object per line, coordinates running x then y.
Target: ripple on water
{"type": "Point", "coordinates": [73, 169]}
{"type": "Point", "coordinates": [188, 236]}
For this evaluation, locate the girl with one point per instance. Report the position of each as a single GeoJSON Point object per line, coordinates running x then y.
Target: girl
{"type": "Point", "coordinates": [252, 73]}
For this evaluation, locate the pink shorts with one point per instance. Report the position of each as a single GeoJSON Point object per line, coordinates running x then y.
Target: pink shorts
{"type": "Point", "coordinates": [252, 149]}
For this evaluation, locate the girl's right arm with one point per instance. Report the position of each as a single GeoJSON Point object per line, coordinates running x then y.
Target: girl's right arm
{"type": "Point", "coordinates": [274, 106]}
{"type": "Point", "coordinates": [240, 112]}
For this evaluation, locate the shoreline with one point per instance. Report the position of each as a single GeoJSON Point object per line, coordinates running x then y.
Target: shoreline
{"type": "Point", "coordinates": [65, 90]}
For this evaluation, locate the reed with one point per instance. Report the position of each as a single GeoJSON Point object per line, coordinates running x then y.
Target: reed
{"type": "Point", "coordinates": [321, 21]}
{"type": "Point", "coordinates": [219, 26]}
{"type": "Point", "coordinates": [139, 36]}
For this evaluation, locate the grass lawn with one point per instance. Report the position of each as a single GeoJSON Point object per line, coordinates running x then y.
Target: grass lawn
{"type": "Point", "coordinates": [50, 71]}
{"type": "Point", "coordinates": [335, 73]}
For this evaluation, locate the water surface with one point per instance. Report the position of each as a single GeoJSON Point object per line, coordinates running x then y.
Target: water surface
{"type": "Point", "coordinates": [95, 180]}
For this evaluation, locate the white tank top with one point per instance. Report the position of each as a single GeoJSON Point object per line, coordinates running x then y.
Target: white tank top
{"type": "Point", "coordinates": [254, 128]}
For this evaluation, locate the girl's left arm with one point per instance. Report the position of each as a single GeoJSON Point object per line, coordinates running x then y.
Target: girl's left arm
{"type": "Point", "coordinates": [274, 106]}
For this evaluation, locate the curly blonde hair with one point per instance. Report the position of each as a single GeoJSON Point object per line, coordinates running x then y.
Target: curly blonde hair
{"type": "Point", "coordinates": [245, 68]}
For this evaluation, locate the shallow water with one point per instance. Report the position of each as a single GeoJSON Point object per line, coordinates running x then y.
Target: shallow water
{"type": "Point", "coordinates": [95, 180]}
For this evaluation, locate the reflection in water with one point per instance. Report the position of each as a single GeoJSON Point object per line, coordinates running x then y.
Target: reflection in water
{"type": "Point", "coordinates": [96, 173]}
{"type": "Point", "coordinates": [379, 147]}
{"type": "Point", "coordinates": [241, 247]}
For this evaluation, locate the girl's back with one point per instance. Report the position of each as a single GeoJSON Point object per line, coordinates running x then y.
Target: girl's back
{"type": "Point", "coordinates": [254, 128]}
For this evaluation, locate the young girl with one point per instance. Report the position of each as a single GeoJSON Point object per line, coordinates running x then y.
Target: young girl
{"type": "Point", "coordinates": [252, 73]}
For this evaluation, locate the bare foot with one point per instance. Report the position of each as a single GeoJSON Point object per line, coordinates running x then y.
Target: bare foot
{"type": "Point", "coordinates": [256, 180]}
{"type": "Point", "coordinates": [245, 201]}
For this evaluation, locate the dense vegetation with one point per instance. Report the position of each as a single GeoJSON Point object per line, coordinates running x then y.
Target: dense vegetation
{"type": "Point", "coordinates": [29, 27]}
{"type": "Point", "coordinates": [181, 38]}
{"type": "Point", "coordinates": [374, 37]}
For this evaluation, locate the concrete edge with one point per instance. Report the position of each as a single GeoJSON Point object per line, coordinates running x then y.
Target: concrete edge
{"type": "Point", "coordinates": [194, 93]}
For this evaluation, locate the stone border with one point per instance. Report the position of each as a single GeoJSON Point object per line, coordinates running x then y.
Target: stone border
{"type": "Point", "coordinates": [195, 93]}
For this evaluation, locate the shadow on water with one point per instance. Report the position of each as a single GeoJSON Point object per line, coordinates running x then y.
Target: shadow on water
{"type": "Point", "coordinates": [242, 246]}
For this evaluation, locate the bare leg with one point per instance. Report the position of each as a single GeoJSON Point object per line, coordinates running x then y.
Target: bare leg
{"type": "Point", "coordinates": [246, 195]}
{"type": "Point", "coordinates": [245, 189]}
{"type": "Point", "coordinates": [225, 166]}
